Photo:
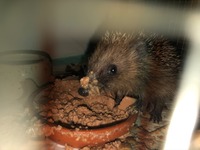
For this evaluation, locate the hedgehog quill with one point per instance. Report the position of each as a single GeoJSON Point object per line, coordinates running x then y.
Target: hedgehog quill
{"type": "Point", "coordinates": [144, 66]}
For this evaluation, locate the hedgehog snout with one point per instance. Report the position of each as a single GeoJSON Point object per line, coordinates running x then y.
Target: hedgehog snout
{"type": "Point", "coordinates": [89, 85]}
{"type": "Point", "coordinates": [83, 92]}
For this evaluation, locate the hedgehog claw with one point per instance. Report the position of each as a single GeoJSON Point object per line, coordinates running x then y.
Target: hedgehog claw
{"type": "Point", "coordinates": [155, 117]}
{"type": "Point", "coordinates": [118, 100]}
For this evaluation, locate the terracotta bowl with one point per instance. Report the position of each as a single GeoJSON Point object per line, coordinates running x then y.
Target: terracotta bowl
{"type": "Point", "coordinates": [79, 138]}
{"type": "Point", "coordinates": [89, 137]}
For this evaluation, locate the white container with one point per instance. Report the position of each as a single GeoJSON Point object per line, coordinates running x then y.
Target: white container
{"type": "Point", "coordinates": [22, 72]}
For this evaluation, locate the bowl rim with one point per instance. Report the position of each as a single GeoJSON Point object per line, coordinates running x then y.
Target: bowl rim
{"type": "Point", "coordinates": [81, 138]}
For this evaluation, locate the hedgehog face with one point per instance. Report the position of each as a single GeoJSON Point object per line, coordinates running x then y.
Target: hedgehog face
{"type": "Point", "coordinates": [116, 64]}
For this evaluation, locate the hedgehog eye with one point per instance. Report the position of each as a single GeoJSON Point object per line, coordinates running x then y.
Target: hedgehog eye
{"type": "Point", "coordinates": [112, 69]}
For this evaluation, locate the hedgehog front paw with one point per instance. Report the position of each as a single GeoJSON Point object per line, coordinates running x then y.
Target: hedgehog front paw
{"type": "Point", "coordinates": [155, 116]}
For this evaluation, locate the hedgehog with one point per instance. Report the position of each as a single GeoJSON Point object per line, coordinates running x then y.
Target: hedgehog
{"type": "Point", "coordinates": [145, 66]}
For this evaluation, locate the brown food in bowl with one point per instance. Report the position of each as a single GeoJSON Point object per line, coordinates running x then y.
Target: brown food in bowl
{"type": "Point", "coordinates": [67, 106]}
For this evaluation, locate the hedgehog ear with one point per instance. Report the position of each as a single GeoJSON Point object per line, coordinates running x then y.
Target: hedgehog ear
{"type": "Point", "coordinates": [139, 46]}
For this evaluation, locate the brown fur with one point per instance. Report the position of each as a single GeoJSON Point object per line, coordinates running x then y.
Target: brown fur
{"type": "Point", "coordinates": [147, 68]}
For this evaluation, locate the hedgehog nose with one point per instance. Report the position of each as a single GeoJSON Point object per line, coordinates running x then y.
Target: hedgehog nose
{"type": "Point", "coordinates": [83, 92]}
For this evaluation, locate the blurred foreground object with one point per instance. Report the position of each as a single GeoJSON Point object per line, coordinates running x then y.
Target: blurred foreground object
{"type": "Point", "coordinates": [22, 72]}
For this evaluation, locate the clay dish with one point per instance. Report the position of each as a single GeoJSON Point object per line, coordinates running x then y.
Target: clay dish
{"type": "Point", "coordinates": [99, 121]}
